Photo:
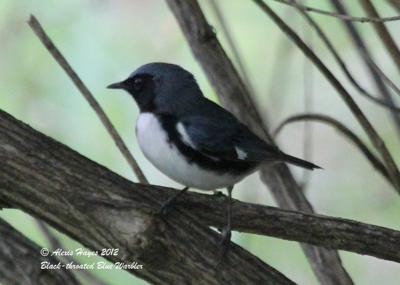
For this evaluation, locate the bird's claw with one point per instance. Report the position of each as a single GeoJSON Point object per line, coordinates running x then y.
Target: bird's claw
{"type": "Point", "coordinates": [224, 244]}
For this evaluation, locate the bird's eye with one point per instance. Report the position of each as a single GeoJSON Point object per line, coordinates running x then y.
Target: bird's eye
{"type": "Point", "coordinates": [138, 83]}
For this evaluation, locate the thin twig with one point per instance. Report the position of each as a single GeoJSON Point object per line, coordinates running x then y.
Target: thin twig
{"type": "Point", "coordinates": [357, 112]}
{"type": "Point", "coordinates": [375, 72]}
{"type": "Point", "coordinates": [343, 65]}
{"type": "Point", "coordinates": [308, 97]}
{"type": "Point", "coordinates": [383, 33]}
{"type": "Point", "coordinates": [343, 17]}
{"type": "Point", "coordinates": [346, 132]}
{"type": "Point", "coordinates": [48, 43]}
{"type": "Point", "coordinates": [232, 44]}
{"type": "Point", "coordinates": [395, 4]}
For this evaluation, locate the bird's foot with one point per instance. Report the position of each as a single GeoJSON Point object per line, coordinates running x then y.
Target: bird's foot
{"type": "Point", "coordinates": [224, 244]}
{"type": "Point", "coordinates": [168, 205]}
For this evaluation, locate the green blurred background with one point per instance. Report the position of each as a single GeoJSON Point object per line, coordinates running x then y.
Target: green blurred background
{"type": "Point", "coordinates": [105, 40]}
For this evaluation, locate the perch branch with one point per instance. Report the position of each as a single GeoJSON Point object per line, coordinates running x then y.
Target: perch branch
{"type": "Point", "coordinates": [83, 200]}
{"type": "Point", "coordinates": [47, 179]}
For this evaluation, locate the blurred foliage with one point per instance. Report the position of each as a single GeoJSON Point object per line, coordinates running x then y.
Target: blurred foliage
{"type": "Point", "coordinates": [105, 40]}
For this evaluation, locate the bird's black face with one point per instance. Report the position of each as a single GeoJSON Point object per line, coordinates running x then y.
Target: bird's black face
{"type": "Point", "coordinates": [141, 87]}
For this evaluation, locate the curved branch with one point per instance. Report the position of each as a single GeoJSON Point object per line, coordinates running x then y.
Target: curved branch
{"type": "Point", "coordinates": [86, 201]}
{"type": "Point", "coordinates": [377, 75]}
{"type": "Point", "coordinates": [346, 132]}
{"type": "Point", "coordinates": [20, 261]}
{"type": "Point", "coordinates": [343, 65]}
{"type": "Point", "coordinates": [357, 112]}
{"type": "Point", "coordinates": [50, 181]}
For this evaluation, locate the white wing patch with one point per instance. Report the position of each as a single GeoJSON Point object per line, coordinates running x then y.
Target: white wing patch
{"type": "Point", "coordinates": [184, 135]}
{"type": "Point", "coordinates": [240, 153]}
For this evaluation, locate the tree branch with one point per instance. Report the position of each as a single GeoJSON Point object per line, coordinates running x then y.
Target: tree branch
{"type": "Point", "coordinates": [86, 201]}
{"type": "Point", "coordinates": [101, 209]}
{"type": "Point", "coordinates": [20, 261]}
{"type": "Point", "coordinates": [48, 43]}
{"type": "Point", "coordinates": [329, 232]}
{"type": "Point", "coordinates": [45, 178]}
{"type": "Point", "coordinates": [236, 98]}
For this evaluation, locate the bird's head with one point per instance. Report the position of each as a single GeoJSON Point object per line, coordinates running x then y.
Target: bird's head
{"type": "Point", "coordinates": [160, 87]}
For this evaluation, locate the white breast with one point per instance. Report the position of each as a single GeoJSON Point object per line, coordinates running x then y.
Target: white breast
{"type": "Point", "coordinates": [153, 141]}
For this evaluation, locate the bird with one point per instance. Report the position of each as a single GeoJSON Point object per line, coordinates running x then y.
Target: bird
{"type": "Point", "coordinates": [191, 139]}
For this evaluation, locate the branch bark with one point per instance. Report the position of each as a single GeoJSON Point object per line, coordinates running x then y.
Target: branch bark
{"type": "Point", "coordinates": [32, 157]}
{"type": "Point", "coordinates": [236, 98]}
{"type": "Point", "coordinates": [20, 261]}
{"type": "Point", "coordinates": [100, 209]}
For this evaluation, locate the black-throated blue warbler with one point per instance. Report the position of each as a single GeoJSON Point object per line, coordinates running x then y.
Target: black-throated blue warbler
{"type": "Point", "coordinates": [190, 138]}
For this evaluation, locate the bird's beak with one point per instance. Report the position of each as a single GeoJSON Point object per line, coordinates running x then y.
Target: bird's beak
{"type": "Point", "coordinates": [118, 85]}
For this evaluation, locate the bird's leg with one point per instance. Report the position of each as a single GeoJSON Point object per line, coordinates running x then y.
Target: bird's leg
{"type": "Point", "coordinates": [166, 205]}
{"type": "Point", "coordinates": [226, 232]}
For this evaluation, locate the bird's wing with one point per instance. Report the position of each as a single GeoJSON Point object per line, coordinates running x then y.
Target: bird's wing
{"type": "Point", "coordinates": [225, 139]}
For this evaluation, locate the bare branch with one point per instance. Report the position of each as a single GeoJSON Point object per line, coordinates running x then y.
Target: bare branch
{"type": "Point", "coordinates": [347, 133]}
{"type": "Point", "coordinates": [344, 68]}
{"type": "Point", "coordinates": [376, 73]}
{"type": "Point", "coordinates": [48, 43]}
{"type": "Point", "coordinates": [329, 232]}
{"type": "Point", "coordinates": [20, 261]}
{"type": "Point", "coordinates": [383, 33]}
{"type": "Point", "coordinates": [357, 112]}
{"type": "Point", "coordinates": [43, 177]}
{"type": "Point", "coordinates": [344, 17]}
{"type": "Point", "coordinates": [101, 210]}
{"type": "Point", "coordinates": [236, 98]}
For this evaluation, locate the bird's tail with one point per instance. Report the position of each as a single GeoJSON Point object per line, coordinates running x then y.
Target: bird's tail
{"type": "Point", "coordinates": [299, 162]}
